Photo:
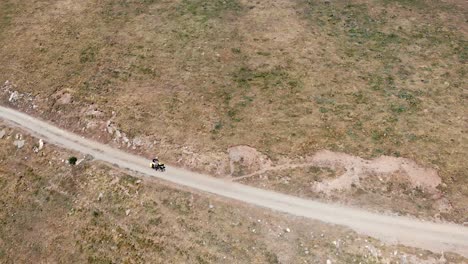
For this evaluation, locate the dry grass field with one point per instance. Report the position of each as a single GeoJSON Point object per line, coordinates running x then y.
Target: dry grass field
{"type": "Point", "coordinates": [193, 78]}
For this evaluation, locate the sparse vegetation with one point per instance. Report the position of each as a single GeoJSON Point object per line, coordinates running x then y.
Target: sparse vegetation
{"type": "Point", "coordinates": [290, 78]}
{"type": "Point", "coordinates": [95, 214]}
{"type": "Point", "coordinates": [72, 160]}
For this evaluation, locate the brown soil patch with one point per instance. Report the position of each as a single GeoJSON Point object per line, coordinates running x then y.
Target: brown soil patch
{"type": "Point", "coordinates": [385, 168]}
{"type": "Point", "coordinates": [246, 160]}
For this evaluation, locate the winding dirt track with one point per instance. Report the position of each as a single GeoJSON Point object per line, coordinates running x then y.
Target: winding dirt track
{"type": "Point", "coordinates": [436, 237]}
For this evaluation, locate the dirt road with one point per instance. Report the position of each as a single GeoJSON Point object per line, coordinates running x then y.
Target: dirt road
{"type": "Point", "coordinates": [411, 232]}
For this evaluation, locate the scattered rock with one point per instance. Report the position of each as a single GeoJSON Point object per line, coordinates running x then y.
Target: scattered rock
{"type": "Point", "coordinates": [7, 85]}
{"type": "Point", "coordinates": [443, 205]}
{"type": "Point", "coordinates": [14, 96]}
{"type": "Point", "coordinates": [374, 251]}
{"type": "Point", "coordinates": [403, 259]}
{"type": "Point", "coordinates": [336, 243]}
{"type": "Point", "coordinates": [19, 143]}
{"type": "Point", "coordinates": [110, 127]}
{"type": "Point", "coordinates": [121, 137]}
{"type": "Point", "coordinates": [117, 134]}
{"type": "Point", "coordinates": [91, 125]}
{"type": "Point", "coordinates": [137, 141]}
{"type": "Point", "coordinates": [92, 111]}
{"type": "Point", "coordinates": [442, 259]}
{"type": "Point", "coordinates": [41, 144]}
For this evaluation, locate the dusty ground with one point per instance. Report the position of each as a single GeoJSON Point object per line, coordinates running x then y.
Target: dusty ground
{"type": "Point", "coordinates": [54, 212]}
{"type": "Point", "coordinates": [189, 80]}
{"type": "Point", "coordinates": [385, 184]}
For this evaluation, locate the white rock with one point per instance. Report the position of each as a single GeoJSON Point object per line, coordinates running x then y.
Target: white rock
{"type": "Point", "coordinates": [91, 124]}
{"type": "Point", "coordinates": [2, 133]}
{"type": "Point", "coordinates": [100, 196]}
{"type": "Point", "coordinates": [211, 206]}
{"type": "Point", "coordinates": [95, 113]}
{"type": "Point", "coordinates": [19, 143]}
{"type": "Point", "coordinates": [65, 99]}
{"type": "Point", "coordinates": [137, 141]}
{"type": "Point", "coordinates": [329, 261]}
{"type": "Point", "coordinates": [118, 135]}
{"type": "Point", "coordinates": [14, 96]}
{"type": "Point", "coordinates": [110, 129]}
{"type": "Point", "coordinates": [41, 144]}
{"type": "Point", "coordinates": [288, 230]}
{"type": "Point", "coordinates": [442, 259]}
{"type": "Point", "coordinates": [127, 212]}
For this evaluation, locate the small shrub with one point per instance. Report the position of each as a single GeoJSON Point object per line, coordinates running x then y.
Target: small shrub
{"type": "Point", "coordinates": [72, 160]}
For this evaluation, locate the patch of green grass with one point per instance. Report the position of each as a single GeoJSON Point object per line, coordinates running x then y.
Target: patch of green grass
{"type": "Point", "coordinates": [398, 108]}
{"type": "Point", "coordinates": [236, 50]}
{"type": "Point", "coordinates": [7, 9]}
{"type": "Point", "coordinates": [264, 53]}
{"type": "Point", "coordinates": [410, 3]}
{"type": "Point", "coordinates": [207, 10]}
{"type": "Point", "coordinates": [125, 10]}
{"type": "Point", "coordinates": [217, 127]}
{"type": "Point", "coordinates": [377, 135]}
{"type": "Point", "coordinates": [324, 100]}
{"type": "Point", "coordinates": [323, 110]}
{"type": "Point", "coordinates": [277, 78]}
{"type": "Point", "coordinates": [274, 87]}
{"type": "Point", "coordinates": [88, 54]}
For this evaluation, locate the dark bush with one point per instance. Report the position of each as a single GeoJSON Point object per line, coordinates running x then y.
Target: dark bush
{"type": "Point", "coordinates": [72, 160]}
